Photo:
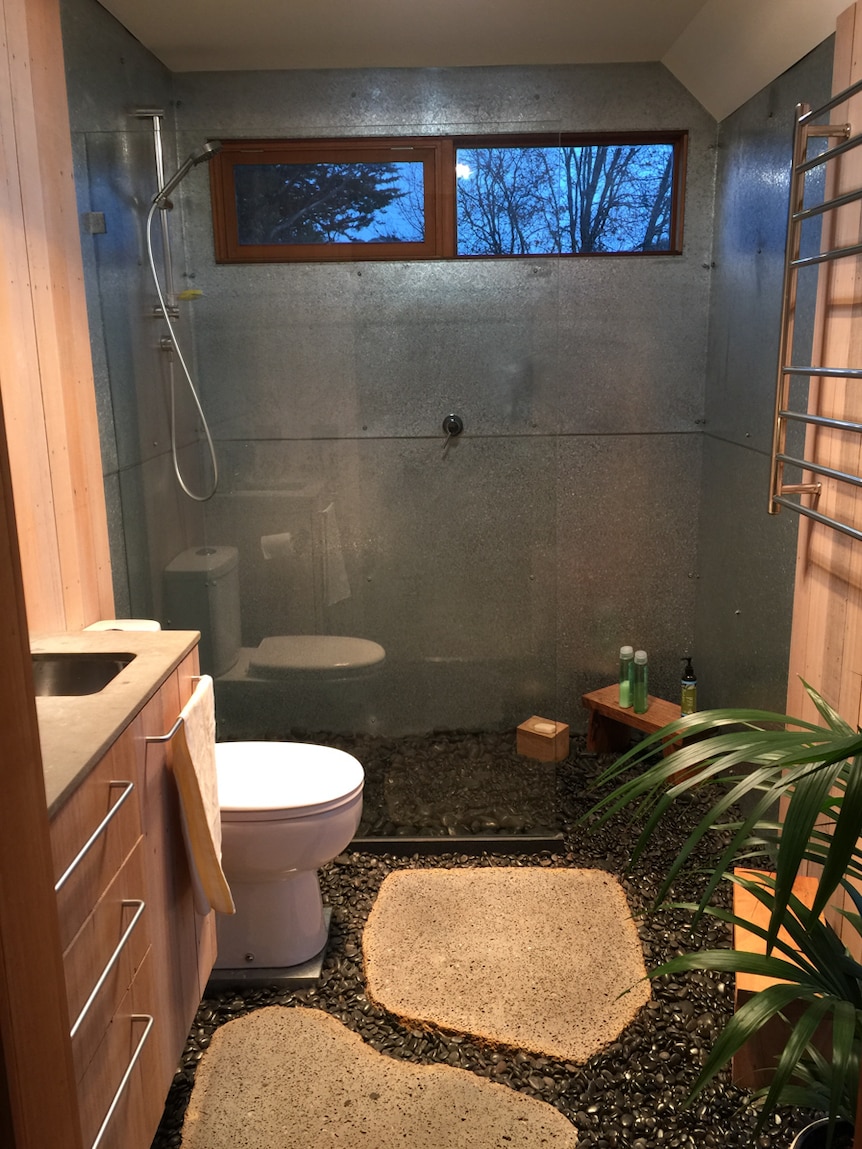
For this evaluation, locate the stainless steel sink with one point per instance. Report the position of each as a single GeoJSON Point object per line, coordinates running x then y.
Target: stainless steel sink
{"type": "Point", "coordinates": [76, 674]}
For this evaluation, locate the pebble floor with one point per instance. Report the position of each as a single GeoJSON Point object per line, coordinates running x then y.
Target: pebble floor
{"type": "Point", "coordinates": [632, 1094]}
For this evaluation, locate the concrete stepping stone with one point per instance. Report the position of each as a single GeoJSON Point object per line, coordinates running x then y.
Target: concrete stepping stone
{"type": "Point", "coordinates": [296, 1078]}
{"type": "Point", "coordinates": [541, 959]}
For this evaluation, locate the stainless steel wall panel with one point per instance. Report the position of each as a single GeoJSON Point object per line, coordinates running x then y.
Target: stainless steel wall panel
{"type": "Point", "coordinates": [606, 97]}
{"type": "Point", "coordinates": [746, 567]}
{"type": "Point", "coordinates": [573, 514]}
{"type": "Point", "coordinates": [108, 75]}
{"type": "Point", "coordinates": [460, 559]}
{"type": "Point", "coordinates": [632, 347]}
{"type": "Point", "coordinates": [746, 562]}
{"type": "Point", "coordinates": [626, 558]}
{"type": "Point", "coordinates": [750, 227]}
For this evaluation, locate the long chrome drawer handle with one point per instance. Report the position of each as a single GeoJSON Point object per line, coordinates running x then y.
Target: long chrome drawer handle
{"type": "Point", "coordinates": [112, 961]}
{"type": "Point", "coordinates": [125, 1081]}
{"type": "Point", "coordinates": [96, 834]}
{"type": "Point", "coordinates": [170, 734]}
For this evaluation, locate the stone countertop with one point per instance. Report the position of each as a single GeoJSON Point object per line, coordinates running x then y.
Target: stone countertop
{"type": "Point", "coordinates": [76, 731]}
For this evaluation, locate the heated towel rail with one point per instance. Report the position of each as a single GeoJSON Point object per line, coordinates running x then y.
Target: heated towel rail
{"type": "Point", "coordinates": [806, 128]}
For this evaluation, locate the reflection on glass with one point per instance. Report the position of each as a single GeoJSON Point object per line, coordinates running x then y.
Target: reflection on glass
{"type": "Point", "coordinates": [330, 203]}
{"type": "Point", "coordinates": [529, 200]}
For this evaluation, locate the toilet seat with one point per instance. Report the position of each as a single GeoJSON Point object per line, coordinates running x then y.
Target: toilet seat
{"type": "Point", "coordinates": [274, 781]}
{"type": "Point", "coordinates": [315, 655]}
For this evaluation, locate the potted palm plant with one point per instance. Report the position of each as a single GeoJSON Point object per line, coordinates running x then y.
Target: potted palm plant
{"type": "Point", "coordinates": [755, 760]}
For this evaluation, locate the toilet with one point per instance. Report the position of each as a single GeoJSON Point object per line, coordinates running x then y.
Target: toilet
{"type": "Point", "coordinates": [316, 681]}
{"type": "Point", "coordinates": [287, 808]}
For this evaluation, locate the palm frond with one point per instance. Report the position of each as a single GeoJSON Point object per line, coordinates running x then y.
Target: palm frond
{"type": "Point", "coordinates": [795, 1049]}
{"type": "Point", "coordinates": [744, 762]}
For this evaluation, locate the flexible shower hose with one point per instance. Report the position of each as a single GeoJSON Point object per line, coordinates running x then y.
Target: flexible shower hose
{"type": "Point", "coordinates": [175, 347]}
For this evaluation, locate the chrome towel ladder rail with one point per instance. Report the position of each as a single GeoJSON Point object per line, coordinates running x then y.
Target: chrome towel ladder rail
{"type": "Point", "coordinates": [806, 128]}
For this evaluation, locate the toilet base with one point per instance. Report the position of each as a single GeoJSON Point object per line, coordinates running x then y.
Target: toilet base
{"type": "Point", "coordinates": [277, 923]}
{"type": "Point", "coordinates": [302, 976]}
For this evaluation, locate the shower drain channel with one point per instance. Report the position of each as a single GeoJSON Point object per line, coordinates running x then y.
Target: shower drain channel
{"type": "Point", "coordinates": [471, 844]}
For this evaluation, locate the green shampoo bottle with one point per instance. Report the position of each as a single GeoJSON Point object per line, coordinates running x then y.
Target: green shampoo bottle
{"type": "Point", "coordinates": [640, 696]}
{"type": "Point", "coordinates": [626, 675]}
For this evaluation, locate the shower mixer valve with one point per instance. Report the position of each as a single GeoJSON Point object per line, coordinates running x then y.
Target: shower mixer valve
{"type": "Point", "coordinates": [453, 425]}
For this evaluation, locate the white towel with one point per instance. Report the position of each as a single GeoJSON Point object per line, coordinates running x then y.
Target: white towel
{"type": "Point", "coordinates": [335, 584]}
{"type": "Point", "coordinates": [194, 766]}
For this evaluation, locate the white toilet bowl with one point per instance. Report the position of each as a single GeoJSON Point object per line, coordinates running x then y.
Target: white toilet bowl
{"type": "Point", "coordinates": [287, 808]}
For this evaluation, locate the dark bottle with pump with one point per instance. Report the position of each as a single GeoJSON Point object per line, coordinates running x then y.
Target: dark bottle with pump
{"type": "Point", "coordinates": [688, 700]}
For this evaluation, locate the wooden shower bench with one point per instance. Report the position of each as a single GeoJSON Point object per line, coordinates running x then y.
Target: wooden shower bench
{"type": "Point", "coordinates": [608, 721]}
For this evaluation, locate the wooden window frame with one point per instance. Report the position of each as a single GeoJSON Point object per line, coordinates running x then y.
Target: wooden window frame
{"type": "Point", "coordinates": [435, 154]}
{"type": "Point", "coordinates": [438, 157]}
{"type": "Point", "coordinates": [678, 139]}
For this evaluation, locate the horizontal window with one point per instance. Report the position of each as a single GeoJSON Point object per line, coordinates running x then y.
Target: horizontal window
{"type": "Point", "coordinates": [276, 200]}
{"type": "Point", "coordinates": [430, 198]}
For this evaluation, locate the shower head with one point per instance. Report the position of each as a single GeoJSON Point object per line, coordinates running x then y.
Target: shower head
{"type": "Point", "coordinates": [198, 156]}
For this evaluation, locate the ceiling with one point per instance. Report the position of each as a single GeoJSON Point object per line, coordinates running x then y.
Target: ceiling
{"type": "Point", "coordinates": [722, 50]}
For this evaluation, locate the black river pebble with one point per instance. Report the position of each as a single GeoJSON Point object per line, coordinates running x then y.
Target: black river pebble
{"type": "Point", "coordinates": [632, 1095]}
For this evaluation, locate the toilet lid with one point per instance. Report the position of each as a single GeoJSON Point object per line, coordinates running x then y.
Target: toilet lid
{"type": "Point", "coordinates": [312, 654]}
{"type": "Point", "coordinates": [255, 779]}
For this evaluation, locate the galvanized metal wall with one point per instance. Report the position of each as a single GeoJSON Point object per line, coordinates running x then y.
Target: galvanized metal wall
{"type": "Point", "coordinates": [109, 74]}
{"type": "Point", "coordinates": [747, 558]}
{"type": "Point", "coordinates": [503, 575]}
{"type": "Point", "coordinates": [573, 514]}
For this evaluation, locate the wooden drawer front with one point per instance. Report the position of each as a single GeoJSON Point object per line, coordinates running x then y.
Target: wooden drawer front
{"type": "Point", "coordinates": [112, 942]}
{"type": "Point", "coordinates": [139, 1106]}
{"type": "Point", "coordinates": [102, 792]}
{"type": "Point", "coordinates": [187, 676]}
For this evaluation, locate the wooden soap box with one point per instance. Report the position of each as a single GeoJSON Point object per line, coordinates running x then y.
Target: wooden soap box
{"type": "Point", "coordinates": [543, 739]}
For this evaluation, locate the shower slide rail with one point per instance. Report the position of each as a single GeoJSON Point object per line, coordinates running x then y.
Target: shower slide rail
{"type": "Point", "coordinates": [789, 494]}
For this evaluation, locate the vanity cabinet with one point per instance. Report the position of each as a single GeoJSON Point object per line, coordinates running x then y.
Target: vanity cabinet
{"type": "Point", "coordinates": [136, 955]}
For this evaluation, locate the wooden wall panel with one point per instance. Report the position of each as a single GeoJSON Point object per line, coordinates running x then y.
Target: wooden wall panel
{"type": "Point", "coordinates": [19, 359]}
{"type": "Point", "coordinates": [826, 640]}
{"type": "Point", "coordinates": [45, 366]}
{"type": "Point", "coordinates": [39, 1106]}
{"type": "Point", "coordinates": [826, 644]}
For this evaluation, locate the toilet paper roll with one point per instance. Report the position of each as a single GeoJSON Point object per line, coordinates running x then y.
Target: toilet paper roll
{"type": "Point", "coordinates": [277, 546]}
